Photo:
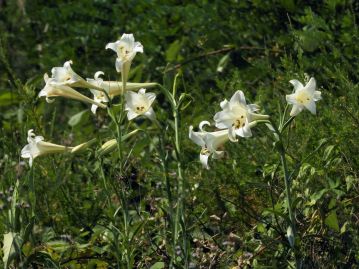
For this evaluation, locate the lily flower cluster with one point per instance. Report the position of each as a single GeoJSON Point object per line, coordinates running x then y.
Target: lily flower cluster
{"type": "Point", "coordinates": [64, 79]}
{"type": "Point", "coordinates": [237, 118]}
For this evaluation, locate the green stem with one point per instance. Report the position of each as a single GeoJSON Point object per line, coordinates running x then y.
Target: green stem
{"type": "Point", "coordinates": [123, 197]}
{"type": "Point", "coordinates": [287, 190]}
{"type": "Point", "coordinates": [286, 124]}
{"type": "Point", "coordinates": [180, 188]}
{"type": "Point", "coordinates": [287, 183]}
{"type": "Point", "coordinates": [172, 220]}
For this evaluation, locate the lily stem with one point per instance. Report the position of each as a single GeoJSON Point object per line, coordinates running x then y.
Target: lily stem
{"type": "Point", "coordinates": [287, 183]}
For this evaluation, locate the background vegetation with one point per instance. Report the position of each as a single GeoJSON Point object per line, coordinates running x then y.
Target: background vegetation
{"type": "Point", "coordinates": [235, 213]}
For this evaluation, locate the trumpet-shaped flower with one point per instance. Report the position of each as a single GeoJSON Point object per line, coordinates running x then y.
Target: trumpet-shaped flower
{"type": "Point", "coordinates": [140, 104]}
{"type": "Point", "coordinates": [209, 141]}
{"type": "Point", "coordinates": [303, 97]}
{"type": "Point", "coordinates": [52, 89]}
{"type": "Point", "coordinates": [237, 116]}
{"type": "Point", "coordinates": [126, 49]}
{"type": "Point", "coordinates": [65, 76]}
{"type": "Point", "coordinates": [38, 147]}
{"type": "Point", "coordinates": [98, 96]}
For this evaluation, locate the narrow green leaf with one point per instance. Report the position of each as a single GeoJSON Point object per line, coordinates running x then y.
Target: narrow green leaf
{"type": "Point", "coordinates": [78, 118]}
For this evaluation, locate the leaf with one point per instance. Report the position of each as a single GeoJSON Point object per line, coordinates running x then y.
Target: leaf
{"type": "Point", "coordinates": [332, 221]}
{"type": "Point", "coordinates": [158, 265]}
{"type": "Point", "coordinates": [172, 51]}
{"type": "Point", "coordinates": [317, 195]}
{"type": "Point", "coordinates": [78, 118]}
{"type": "Point", "coordinates": [8, 248]}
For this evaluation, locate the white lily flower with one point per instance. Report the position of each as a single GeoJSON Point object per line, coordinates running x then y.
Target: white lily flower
{"type": "Point", "coordinates": [140, 104]}
{"type": "Point", "coordinates": [65, 76]}
{"type": "Point", "coordinates": [52, 89]}
{"type": "Point", "coordinates": [126, 49]}
{"type": "Point", "coordinates": [209, 141]}
{"type": "Point", "coordinates": [237, 116]}
{"type": "Point", "coordinates": [98, 96]}
{"type": "Point", "coordinates": [38, 147]}
{"type": "Point", "coordinates": [303, 97]}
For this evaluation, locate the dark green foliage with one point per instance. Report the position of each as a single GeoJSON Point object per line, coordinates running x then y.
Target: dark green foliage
{"type": "Point", "coordinates": [236, 212]}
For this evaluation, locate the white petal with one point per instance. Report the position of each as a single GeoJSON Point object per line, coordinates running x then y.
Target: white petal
{"type": "Point", "coordinates": [142, 91]}
{"type": "Point", "coordinates": [119, 64]}
{"type": "Point", "coordinates": [291, 99]}
{"type": "Point", "coordinates": [203, 123]}
{"type": "Point", "coordinates": [46, 77]}
{"type": "Point", "coordinates": [296, 109]}
{"type": "Point", "coordinates": [112, 46]}
{"type": "Point", "coordinates": [98, 74]}
{"type": "Point", "coordinates": [245, 131]}
{"type": "Point", "coordinates": [38, 138]}
{"type": "Point", "coordinates": [30, 133]}
{"type": "Point", "coordinates": [203, 158]}
{"type": "Point", "coordinates": [214, 140]}
{"type": "Point", "coordinates": [68, 64]}
{"type": "Point", "coordinates": [238, 97]}
{"type": "Point", "coordinates": [224, 104]}
{"type": "Point", "coordinates": [138, 47]}
{"type": "Point", "coordinates": [311, 106]}
{"type": "Point", "coordinates": [43, 92]}
{"type": "Point", "coordinates": [93, 109]}
{"type": "Point", "coordinates": [311, 85]}
{"type": "Point", "coordinates": [128, 39]}
{"type": "Point", "coordinates": [232, 134]}
{"type": "Point", "coordinates": [26, 152]}
{"type": "Point", "coordinates": [195, 137]}
{"type": "Point", "coordinates": [297, 84]}
{"type": "Point", "coordinates": [224, 119]}
{"type": "Point", "coordinates": [60, 74]}
{"type": "Point", "coordinates": [150, 114]}
{"type": "Point", "coordinates": [131, 114]}
{"type": "Point", "coordinates": [150, 97]}
{"type": "Point", "coordinates": [317, 96]}
{"type": "Point", "coordinates": [134, 99]}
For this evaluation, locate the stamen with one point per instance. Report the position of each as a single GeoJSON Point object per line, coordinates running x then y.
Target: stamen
{"type": "Point", "coordinates": [205, 151]}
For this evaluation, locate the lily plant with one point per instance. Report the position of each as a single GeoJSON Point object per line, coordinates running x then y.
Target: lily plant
{"type": "Point", "coordinates": [237, 118]}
